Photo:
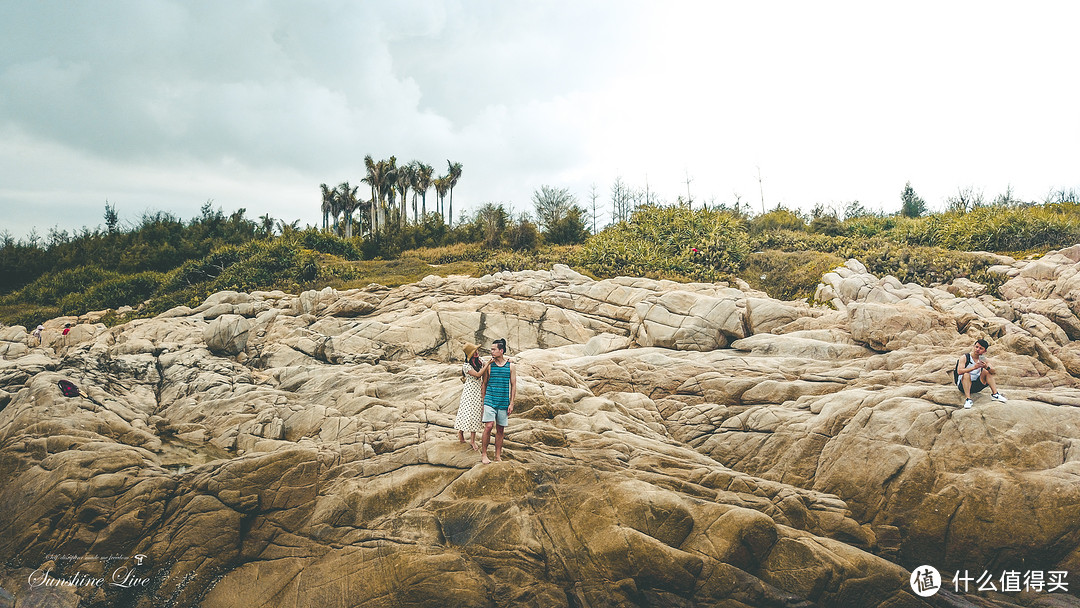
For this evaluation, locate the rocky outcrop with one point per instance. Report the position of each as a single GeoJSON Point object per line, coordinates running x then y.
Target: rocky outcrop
{"type": "Point", "coordinates": [671, 445]}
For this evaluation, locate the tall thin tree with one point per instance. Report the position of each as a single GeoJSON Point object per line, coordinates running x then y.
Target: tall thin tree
{"type": "Point", "coordinates": [335, 212]}
{"type": "Point", "coordinates": [327, 205]}
{"type": "Point", "coordinates": [423, 184]}
{"type": "Point", "coordinates": [372, 179]}
{"type": "Point", "coordinates": [386, 189]}
{"type": "Point", "coordinates": [453, 172]}
{"type": "Point", "coordinates": [404, 182]}
{"type": "Point", "coordinates": [593, 196]}
{"type": "Point", "coordinates": [348, 201]}
{"type": "Point", "coordinates": [442, 186]}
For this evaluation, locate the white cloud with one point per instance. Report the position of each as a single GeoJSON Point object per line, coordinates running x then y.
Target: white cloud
{"type": "Point", "coordinates": [164, 104]}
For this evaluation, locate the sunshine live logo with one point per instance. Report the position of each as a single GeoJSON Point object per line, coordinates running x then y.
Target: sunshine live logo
{"type": "Point", "coordinates": [123, 577]}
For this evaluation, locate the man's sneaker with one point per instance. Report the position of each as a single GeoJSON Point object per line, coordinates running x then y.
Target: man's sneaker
{"type": "Point", "coordinates": [998, 397]}
{"type": "Point", "coordinates": [968, 403]}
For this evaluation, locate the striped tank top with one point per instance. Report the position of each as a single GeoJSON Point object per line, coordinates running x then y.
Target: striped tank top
{"type": "Point", "coordinates": [498, 387]}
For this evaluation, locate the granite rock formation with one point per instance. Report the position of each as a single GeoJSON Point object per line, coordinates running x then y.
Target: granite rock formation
{"type": "Point", "coordinates": [672, 445]}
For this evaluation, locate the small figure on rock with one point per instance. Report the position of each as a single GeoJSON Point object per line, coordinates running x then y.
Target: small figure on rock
{"type": "Point", "coordinates": [471, 407]}
{"type": "Point", "coordinates": [973, 373]}
{"type": "Point", "coordinates": [500, 389]}
{"type": "Point", "coordinates": [37, 334]}
{"type": "Point", "coordinates": [67, 328]}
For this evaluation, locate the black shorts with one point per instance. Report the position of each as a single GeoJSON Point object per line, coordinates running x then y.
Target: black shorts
{"type": "Point", "coordinates": [976, 384]}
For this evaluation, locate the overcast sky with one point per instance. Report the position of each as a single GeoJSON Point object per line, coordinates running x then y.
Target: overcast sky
{"type": "Point", "coordinates": [162, 105]}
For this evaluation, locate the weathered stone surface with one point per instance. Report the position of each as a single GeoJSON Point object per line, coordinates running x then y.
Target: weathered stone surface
{"type": "Point", "coordinates": [884, 327]}
{"type": "Point", "coordinates": [299, 450]}
{"type": "Point", "coordinates": [227, 334]}
{"type": "Point", "coordinates": [688, 321]}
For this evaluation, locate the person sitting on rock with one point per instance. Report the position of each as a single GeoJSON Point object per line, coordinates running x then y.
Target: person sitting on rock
{"type": "Point", "coordinates": [500, 389]}
{"type": "Point", "coordinates": [973, 373]}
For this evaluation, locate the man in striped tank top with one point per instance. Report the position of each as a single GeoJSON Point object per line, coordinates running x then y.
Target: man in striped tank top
{"type": "Point", "coordinates": [500, 388]}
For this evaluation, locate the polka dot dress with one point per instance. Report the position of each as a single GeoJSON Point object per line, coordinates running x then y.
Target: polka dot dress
{"type": "Point", "coordinates": [471, 408]}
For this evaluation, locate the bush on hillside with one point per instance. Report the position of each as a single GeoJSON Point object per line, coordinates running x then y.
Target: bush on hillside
{"type": "Point", "coordinates": [268, 264]}
{"type": "Point", "coordinates": [522, 235]}
{"type": "Point", "coordinates": [120, 290]}
{"type": "Point", "coordinates": [828, 225]}
{"type": "Point", "coordinates": [922, 265]}
{"type": "Point", "coordinates": [791, 240]}
{"type": "Point", "coordinates": [661, 241]}
{"type": "Point", "coordinates": [788, 275]}
{"type": "Point", "coordinates": [461, 252]}
{"type": "Point", "coordinates": [866, 226]}
{"type": "Point", "coordinates": [540, 259]}
{"type": "Point", "coordinates": [777, 219]}
{"type": "Point", "coordinates": [52, 287]}
{"type": "Point", "coordinates": [325, 242]}
{"type": "Point", "coordinates": [569, 229]}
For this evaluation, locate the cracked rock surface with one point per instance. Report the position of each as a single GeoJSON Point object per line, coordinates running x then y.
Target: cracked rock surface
{"type": "Point", "coordinates": [671, 445]}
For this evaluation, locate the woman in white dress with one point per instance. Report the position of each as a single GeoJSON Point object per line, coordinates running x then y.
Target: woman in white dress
{"type": "Point", "coordinates": [471, 406]}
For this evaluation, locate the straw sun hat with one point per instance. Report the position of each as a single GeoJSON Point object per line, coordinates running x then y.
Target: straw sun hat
{"type": "Point", "coordinates": [470, 350]}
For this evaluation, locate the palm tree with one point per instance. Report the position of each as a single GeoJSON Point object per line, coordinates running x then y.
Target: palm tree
{"type": "Point", "coordinates": [327, 205]}
{"type": "Point", "coordinates": [414, 169]}
{"type": "Point", "coordinates": [373, 179]}
{"type": "Point", "coordinates": [405, 176]}
{"type": "Point", "coordinates": [423, 183]}
{"type": "Point", "coordinates": [386, 188]}
{"type": "Point", "coordinates": [442, 186]}
{"type": "Point", "coordinates": [267, 227]}
{"type": "Point", "coordinates": [288, 227]}
{"type": "Point", "coordinates": [347, 198]}
{"type": "Point", "coordinates": [453, 172]}
{"type": "Point", "coordinates": [335, 211]}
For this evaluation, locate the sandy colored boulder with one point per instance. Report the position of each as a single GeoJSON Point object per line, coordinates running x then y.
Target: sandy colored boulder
{"type": "Point", "coordinates": [227, 334]}
{"type": "Point", "coordinates": [883, 327]}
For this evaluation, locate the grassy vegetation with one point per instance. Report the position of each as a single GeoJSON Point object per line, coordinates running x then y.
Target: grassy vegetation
{"type": "Point", "coordinates": [669, 242]}
{"type": "Point", "coordinates": [780, 252]}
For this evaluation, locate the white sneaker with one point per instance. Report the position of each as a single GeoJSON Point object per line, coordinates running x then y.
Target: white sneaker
{"type": "Point", "coordinates": [998, 397]}
{"type": "Point", "coordinates": [968, 403]}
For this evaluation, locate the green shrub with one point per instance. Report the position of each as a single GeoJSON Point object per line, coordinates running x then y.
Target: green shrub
{"type": "Point", "coordinates": [467, 252]}
{"type": "Point", "coordinates": [866, 226]}
{"type": "Point", "coordinates": [1016, 228]}
{"type": "Point", "coordinates": [668, 241]}
{"type": "Point", "coordinates": [325, 242]}
{"type": "Point", "coordinates": [777, 219]}
{"type": "Point", "coordinates": [27, 315]}
{"type": "Point", "coordinates": [568, 230]}
{"type": "Point", "coordinates": [205, 269]}
{"type": "Point", "coordinates": [915, 264]}
{"type": "Point", "coordinates": [508, 260]}
{"type": "Point", "coordinates": [522, 235]}
{"type": "Point", "coordinates": [541, 259]}
{"type": "Point", "coordinates": [987, 228]}
{"type": "Point", "coordinates": [268, 264]}
{"type": "Point", "coordinates": [828, 225]}
{"type": "Point", "coordinates": [790, 240]}
{"type": "Point", "coordinates": [788, 275]}
{"type": "Point", "coordinates": [52, 287]}
{"type": "Point", "coordinates": [122, 290]}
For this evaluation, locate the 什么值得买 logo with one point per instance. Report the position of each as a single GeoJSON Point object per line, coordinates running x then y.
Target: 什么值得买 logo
{"type": "Point", "coordinates": [925, 581]}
